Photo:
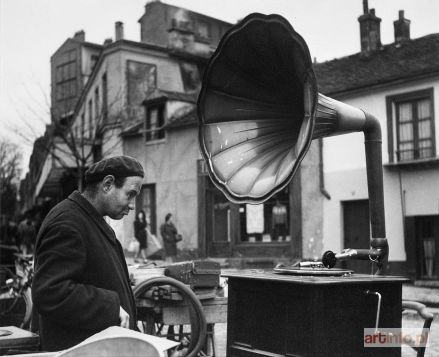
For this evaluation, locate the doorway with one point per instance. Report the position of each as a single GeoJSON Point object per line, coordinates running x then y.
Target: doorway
{"type": "Point", "coordinates": [427, 238]}
{"type": "Point", "coordinates": [219, 221]}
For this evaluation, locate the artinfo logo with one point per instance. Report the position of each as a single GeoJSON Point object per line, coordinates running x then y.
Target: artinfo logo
{"type": "Point", "coordinates": [395, 337]}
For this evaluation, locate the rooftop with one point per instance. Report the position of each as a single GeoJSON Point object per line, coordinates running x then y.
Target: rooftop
{"type": "Point", "coordinates": [395, 62]}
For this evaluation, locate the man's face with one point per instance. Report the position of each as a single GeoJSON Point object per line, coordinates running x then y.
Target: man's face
{"type": "Point", "coordinates": [121, 200]}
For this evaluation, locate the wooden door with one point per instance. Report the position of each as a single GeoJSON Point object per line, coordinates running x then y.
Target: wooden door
{"type": "Point", "coordinates": [218, 223]}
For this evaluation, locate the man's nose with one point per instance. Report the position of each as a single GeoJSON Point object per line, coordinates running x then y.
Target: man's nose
{"type": "Point", "coordinates": [131, 205]}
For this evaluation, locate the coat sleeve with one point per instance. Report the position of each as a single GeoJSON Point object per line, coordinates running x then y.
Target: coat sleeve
{"type": "Point", "coordinates": [168, 234]}
{"type": "Point", "coordinates": [56, 291]}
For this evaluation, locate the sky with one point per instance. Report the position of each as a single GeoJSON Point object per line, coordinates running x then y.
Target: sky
{"type": "Point", "coordinates": [32, 30]}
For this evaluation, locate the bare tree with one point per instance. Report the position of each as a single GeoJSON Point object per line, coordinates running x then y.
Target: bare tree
{"type": "Point", "coordinates": [75, 141]}
{"type": "Point", "coordinates": [10, 161]}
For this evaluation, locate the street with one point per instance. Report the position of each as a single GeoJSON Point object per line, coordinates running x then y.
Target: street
{"type": "Point", "coordinates": [407, 322]}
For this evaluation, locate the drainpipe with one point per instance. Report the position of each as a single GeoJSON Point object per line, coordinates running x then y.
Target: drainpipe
{"type": "Point", "coordinates": [321, 175]}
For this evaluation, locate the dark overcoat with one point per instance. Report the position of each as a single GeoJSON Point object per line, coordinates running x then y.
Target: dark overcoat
{"type": "Point", "coordinates": [169, 236]}
{"type": "Point", "coordinates": [81, 277]}
{"type": "Point", "coordinates": [140, 233]}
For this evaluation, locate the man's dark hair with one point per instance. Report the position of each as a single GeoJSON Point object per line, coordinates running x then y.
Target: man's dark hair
{"type": "Point", "coordinates": [92, 187]}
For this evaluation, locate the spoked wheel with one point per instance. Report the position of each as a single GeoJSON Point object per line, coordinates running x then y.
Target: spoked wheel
{"type": "Point", "coordinates": [15, 302]}
{"type": "Point", "coordinates": [158, 293]}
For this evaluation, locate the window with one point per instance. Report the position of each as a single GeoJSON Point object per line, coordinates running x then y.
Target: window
{"type": "Point", "coordinates": [141, 78]}
{"type": "Point", "coordinates": [104, 95]}
{"type": "Point", "coordinates": [146, 201]}
{"type": "Point", "coordinates": [90, 118]}
{"type": "Point", "coordinates": [82, 126]}
{"type": "Point", "coordinates": [427, 235]}
{"type": "Point", "coordinates": [154, 122]}
{"type": "Point", "coordinates": [203, 30]}
{"type": "Point", "coordinates": [411, 126]}
{"type": "Point", "coordinates": [266, 222]}
{"type": "Point", "coordinates": [65, 76]}
{"type": "Point", "coordinates": [93, 61]}
{"type": "Point", "coordinates": [97, 99]}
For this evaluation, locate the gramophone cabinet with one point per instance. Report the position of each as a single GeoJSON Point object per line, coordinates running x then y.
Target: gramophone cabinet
{"type": "Point", "coordinates": [282, 315]}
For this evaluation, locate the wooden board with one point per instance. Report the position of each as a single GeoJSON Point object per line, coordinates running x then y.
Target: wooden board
{"type": "Point", "coordinates": [19, 339]}
{"type": "Point", "coordinates": [176, 313]}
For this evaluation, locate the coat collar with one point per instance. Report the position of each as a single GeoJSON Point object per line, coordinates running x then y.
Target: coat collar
{"type": "Point", "coordinates": [91, 211]}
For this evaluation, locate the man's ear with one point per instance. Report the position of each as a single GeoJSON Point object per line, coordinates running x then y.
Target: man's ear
{"type": "Point", "coordinates": [108, 183]}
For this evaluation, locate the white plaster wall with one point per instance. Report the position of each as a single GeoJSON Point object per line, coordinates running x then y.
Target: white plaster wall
{"type": "Point", "coordinates": [347, 151]}
{"type": "Point", "coordinates": [86, 69]}
{"type": "Point", "coordinates": [425, 200]}
{"type": "Point", "coordinates": [352, 185]}
{"type": "Point", "coordinates": [312, 211]}
{"type": "Point", "coordinates": [345, 175]}
{"type": "Point", "coordinates": [342, 186]}
{"type": "Point", "coordinates": [171, 166]}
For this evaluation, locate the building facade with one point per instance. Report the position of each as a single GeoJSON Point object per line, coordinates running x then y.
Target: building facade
{"type": "Point", "coordinates": [398, 83]}
{"type": "Point", "coordinates": [139, 99]}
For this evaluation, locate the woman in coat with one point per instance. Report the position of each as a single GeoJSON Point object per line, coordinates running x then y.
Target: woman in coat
{"type": "Point", "coordinates": [140, 235]}
{"type": "Point", "coordinates": [169, 234]}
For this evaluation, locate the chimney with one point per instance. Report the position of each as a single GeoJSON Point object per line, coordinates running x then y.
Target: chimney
{"type": "Point", "coordinates": [79, 36]}
{"type": "Point", "coordinates": [119, 30]}
{"type": "Point", "coordinates": [369, 29]}
{"type": "Point", "coordinates": [402, 28]}
{"type": "Point", "coordinates": [108, 41]}
{"type": "Point", "coordinates": [181, 34]}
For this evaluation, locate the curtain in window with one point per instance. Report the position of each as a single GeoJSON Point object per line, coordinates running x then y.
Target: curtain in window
{"type": "Point", "coordinates": [424, 129]}
{"type": "Point", "coordinates": [415, 137]}
{"type": "Point", "coordinates": [153, 123]}
{"type": "Point", "coordinates": [406, 139]}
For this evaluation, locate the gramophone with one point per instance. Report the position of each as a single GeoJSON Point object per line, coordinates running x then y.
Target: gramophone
{"type": "Point", "coordinates": [259, 109]}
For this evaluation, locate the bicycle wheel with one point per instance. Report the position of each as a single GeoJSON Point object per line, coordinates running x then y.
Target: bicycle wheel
{"type": "Point", "coordinates": [12, 310]}
{"type": "Point", "coordinates": [198, 325]}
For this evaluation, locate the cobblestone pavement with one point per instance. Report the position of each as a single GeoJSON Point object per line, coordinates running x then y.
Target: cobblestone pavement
{"type": "Point", "coordinates": [407, 322]}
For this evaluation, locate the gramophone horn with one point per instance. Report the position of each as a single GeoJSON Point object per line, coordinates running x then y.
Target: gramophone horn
{"type": "Point", "coordinates": [259, 109]}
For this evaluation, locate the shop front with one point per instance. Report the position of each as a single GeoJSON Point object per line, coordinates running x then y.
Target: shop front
{"type": "Point", "coordinates": [265, 232]}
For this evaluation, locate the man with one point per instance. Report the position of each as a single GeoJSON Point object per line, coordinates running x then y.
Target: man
{"type": "Point", "coordinates": [26, 236]}
{"type": "Point", "coordinates": [81, 284]}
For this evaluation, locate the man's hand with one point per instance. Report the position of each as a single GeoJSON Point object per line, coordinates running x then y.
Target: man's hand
{"type": "Point", "coordinates": [124, 318]}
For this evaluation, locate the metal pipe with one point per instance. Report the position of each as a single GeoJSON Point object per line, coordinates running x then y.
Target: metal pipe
{"type": "Point", "coordinates": [374, 167]}
{"type": "Point", "coordinates": [370, 292]}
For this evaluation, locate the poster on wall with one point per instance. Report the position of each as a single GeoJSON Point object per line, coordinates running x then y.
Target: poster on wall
{"type": "Point", "coordinates": [255, 218]}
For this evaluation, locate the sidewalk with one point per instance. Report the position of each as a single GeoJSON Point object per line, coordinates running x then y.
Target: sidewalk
{"type": "Point", "coordinates": [424, 295]}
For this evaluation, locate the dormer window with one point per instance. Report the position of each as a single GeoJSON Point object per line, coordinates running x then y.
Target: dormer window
{"type": "Point", "coordinates": [155, 121]}
{"type": "Point", "coordinates": [203, 30]}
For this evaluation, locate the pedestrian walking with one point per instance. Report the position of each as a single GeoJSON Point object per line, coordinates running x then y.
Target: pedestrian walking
{"type": "Point", "coordinates": [170, 238]}
{"type": "Point", "coordinates": [81, 284]}
{"type": "Point", "coordinates": [26, 235]}
{"type": "Point", "coordinates": [141, 235]}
